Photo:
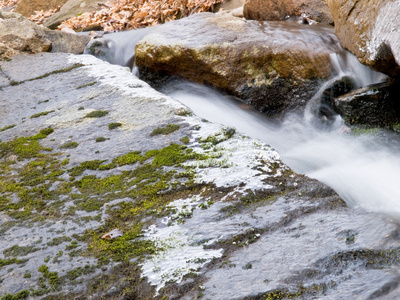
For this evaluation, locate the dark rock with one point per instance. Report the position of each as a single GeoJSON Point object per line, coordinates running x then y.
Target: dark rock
{"type": "Point", "coordinates": [375, 105]}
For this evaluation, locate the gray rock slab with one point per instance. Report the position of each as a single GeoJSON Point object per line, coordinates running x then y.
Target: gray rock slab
{"type": "Point", "coordinates": [260, 228]}
{"type": "Point", "coordinates": [23, 67]}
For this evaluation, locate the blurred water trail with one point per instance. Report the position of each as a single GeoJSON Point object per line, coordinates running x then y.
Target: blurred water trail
{"type": "Point", "coordinates": [363, 169]}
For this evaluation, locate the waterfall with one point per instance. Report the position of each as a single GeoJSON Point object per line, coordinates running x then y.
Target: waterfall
{"type": "Point", "coordinates": [363, 169]}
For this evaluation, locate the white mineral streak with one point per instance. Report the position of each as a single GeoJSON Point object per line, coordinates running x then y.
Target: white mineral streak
{"type": "Point", "coordinates": [182, 254]}
{"type": "Point", "coordinates": [385, 31]}
{"type": "Point", "coordinates": [240, 156]}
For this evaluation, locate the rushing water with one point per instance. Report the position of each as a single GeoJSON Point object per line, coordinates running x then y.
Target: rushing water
{"type": "Point", "coordinates": [363, 169]}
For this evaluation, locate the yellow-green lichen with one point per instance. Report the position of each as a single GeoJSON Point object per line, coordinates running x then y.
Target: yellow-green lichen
{"type": "Point", "coordinates": [165, 130]}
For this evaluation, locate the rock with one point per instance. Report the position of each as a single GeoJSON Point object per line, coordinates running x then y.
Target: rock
{"type": "Point", "coordinates": [266, 10]}
{"type": "Point", "coordinates": [268, 65]}
{"type": "Point", "coordinates": [28, 7]}
{"type": "Point", "coordinates": [238, 12]}
{"type": "Point", "coordinates": [371, 31]}
{"type": "Point", "coordinates": [235, 223]}
{"type": "Point", "coordinates": [17, 34]}
{"type": "Point", "coordinates": [230, 5]}
{"type": "Point", "coordinates": [71, 9]}
{"type": "Point", "coordinates": [323, 109]}
{"type": "Point", "coordinates": [375, 105]}
{"type": "Point", "coordinates": [67, 42]}
{"type": "Point", "coordinates": [21, 35]}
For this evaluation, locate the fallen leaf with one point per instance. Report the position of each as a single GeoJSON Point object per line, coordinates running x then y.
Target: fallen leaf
{"type": "Point", "coordinates": [113, 234]}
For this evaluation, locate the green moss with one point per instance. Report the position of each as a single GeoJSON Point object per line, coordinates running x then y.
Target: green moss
{"type": "Point", "coordinates": [112, 126]}
{"type": "Point", "coordinates": [185, 140]}
{"type": "Point", "coordinates": [64, 70]}
{"type": "Point", "coordinates": [156, 180]}
{"type": "Point", "coordinates": [171, 155]}
{"type": "Point", "coordinates": [58, 240]}
{"type": "Point", "coordinates": [44, 113]}
{"type": "Point", "coordinates": [129, 158]}
{"type": "Point", "coordinates": [77, 272]}
{"type": "Point", "coordinates": [72, 245]}
{"type": "Point", "coordinates": [23, 147]}
{"type": "Point", "coordinates": [100, 139]}
{"type": "Point", "coordinates": [183, 112]}
{"type": "Point", "coordinates": [87, 165]}
{"type": "Point", "coordinates": [52, 277]}
{"type": "Point", "coordinates": [20, 295]}
{"type": "Point", "coordinates": [13, 82]}
{"type": "Point", "coordinates": [7, 127]}
{"type": "Point", "coordinates": [365, 130]}
{"type": "Point", "coordinates": [10, 261]}
{"type": "Point", "coordinates": [86, 85]}
{"type": "Point", "coordinates": [165, 130]}
{"type": "Point", "coordinates": [19, 251]}
{"type": "Point", "coordinates": [97, 114]}
{"type": "Point", "coordinates": [212, 140]}
{"type": "Point", "coordinates": [43, 133]}
{"type": "Point", "coordinates": [69, 145]}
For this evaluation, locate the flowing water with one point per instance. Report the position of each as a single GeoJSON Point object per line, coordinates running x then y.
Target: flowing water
{"type": "Point", "coordinates": [363, 169]}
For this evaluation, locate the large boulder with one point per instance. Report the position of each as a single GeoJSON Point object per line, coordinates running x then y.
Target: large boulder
{"type": "Point", "coordinates": [28, 7]}
{"type": "Point", "coordinates": [271, 66]}
{"type": "Point", "coordinates": [71, 8]}
{"type": "Point", "coordinates": [17, 34]}
{"type": "Point", "coordinates": [371, 31]}
{"type": "Point", "coordinates": [316, 10]}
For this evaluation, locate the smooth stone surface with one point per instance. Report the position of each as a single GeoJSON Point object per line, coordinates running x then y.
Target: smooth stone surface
{"type": "Point", "coordinates": [371, 31]}
{"type": "Point", "coordinates": [270, 65]}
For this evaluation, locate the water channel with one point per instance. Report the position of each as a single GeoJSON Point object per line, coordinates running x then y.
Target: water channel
{"type": "Point", "coordinates": [362, 168]}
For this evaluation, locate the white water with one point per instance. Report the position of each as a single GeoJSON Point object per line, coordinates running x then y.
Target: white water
{"type": "Point", "coordinates": [363, 169]}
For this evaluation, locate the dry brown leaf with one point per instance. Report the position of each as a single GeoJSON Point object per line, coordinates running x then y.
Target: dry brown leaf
{"type": "Point", "coordinates": [40, 16]}
{"type": "Point", "coordinates": [128, 14]}
{"type": "Point", "coordinates": [8, 3]}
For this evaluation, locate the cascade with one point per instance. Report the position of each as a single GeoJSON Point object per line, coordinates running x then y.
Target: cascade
{"type": "Point", "coordinates": [363, 169]}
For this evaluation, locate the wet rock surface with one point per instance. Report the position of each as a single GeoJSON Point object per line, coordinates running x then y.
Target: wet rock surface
{"type": "Point", "coordinates": [87, 149]}
{"type": "Point", "coordinates": [269, 65]}
{"type": "Point", "coordinates": [375, 105]}
{"type": "Point", "coordinates": [370, 30]}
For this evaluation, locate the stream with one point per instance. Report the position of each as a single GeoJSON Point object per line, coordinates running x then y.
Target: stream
{"type": "Point", "coordinates": [363, 168]}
